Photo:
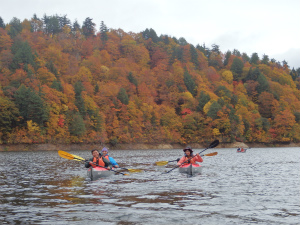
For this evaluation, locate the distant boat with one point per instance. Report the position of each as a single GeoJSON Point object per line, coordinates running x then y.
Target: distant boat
{"type": "Point", "coordinates": [243, 150]}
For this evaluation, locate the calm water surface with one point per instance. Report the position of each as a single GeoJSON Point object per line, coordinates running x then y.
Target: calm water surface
{"type": "Point", "coordinates": [261, 186]}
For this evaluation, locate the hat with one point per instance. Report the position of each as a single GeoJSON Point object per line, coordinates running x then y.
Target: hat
{"type": "Point", "coordinates": [104, 149]}
{"type": "Point", "coordinates": [188, 148]}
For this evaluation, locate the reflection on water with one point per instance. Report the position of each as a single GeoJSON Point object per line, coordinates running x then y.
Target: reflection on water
{"type": "Point", "coordinates": [260, 186]}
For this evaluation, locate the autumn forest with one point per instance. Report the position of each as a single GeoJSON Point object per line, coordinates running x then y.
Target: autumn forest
{"type": "Point", "coordinates": [62, 82]}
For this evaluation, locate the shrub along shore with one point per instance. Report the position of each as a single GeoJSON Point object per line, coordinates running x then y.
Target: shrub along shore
{"type": "Point", "coordinates": [70, 147]}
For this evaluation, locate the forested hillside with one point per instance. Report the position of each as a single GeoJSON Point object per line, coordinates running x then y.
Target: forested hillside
{"type": "Point", "coordinates": [62, 82]}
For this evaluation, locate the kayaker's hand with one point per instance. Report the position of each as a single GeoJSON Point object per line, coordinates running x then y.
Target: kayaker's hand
{"type": "Point", "coordinates": [116, 166]}
{"type": "Point", "coordinates": [108, 168]}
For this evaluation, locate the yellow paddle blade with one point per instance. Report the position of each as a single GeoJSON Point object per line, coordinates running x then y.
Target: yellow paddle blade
{"type": "Point", "coordinates": [65, 155]}
{"type": "Point", "coordinates": [211, 154]}
{"type": "Point", "coordinates": [161, 163]}
{"type": "Point", "coordinates": [135, 170]}
{"type": "Point", "coordinates": [126, 174]}
{"type": "Point", "coordinates": [78, 158]}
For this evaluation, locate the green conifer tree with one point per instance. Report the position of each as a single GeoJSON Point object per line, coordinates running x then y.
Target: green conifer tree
{"type": "Point", "coordinates": [123, 97]}
{"type": "Point", "coordinates": [79, 101]}
{"type": "Point", "coordinates": [189, 83]}
{"type": "Point", "coordinates": [103, 32]}
{"type": "Point", "coordinates": [76, 125]}
{"type": "Point", "coordinates": [237, 68]}
{"type": "Point", "coordinates": [31, 106]}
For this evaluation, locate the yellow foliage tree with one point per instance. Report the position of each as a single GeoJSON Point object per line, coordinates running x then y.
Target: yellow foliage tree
{"type": "Point", "coordinates": [45, 76]}
{"type": "Point", "coordinates": [227, 76]}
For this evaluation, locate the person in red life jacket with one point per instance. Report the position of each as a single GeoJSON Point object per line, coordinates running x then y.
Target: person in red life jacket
{"type": "Point", "coordinates": [98, 159]}
{"type": "Point", "coordinates": [189, 157]}
{"type": "Point", "coordinates": [104, 153]}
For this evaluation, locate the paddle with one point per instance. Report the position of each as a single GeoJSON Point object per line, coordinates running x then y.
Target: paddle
{"type": "Point", "coordinates": [132, 170]}
{"type": "Point", "coordinates": [212, 145]}
{"type": "Point", "coordinates": [67, 155]}
{"type": "Point", "coordinates": [162, 163]}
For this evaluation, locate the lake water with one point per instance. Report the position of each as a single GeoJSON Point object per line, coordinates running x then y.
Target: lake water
{"type": "Point", "coordinates": [261, 186]}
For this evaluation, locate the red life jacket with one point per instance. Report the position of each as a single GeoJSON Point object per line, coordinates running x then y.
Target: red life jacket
{"type": "Point", "coordinates": [189, 161]}
{"type": "Point", "coordinates": [99, 162]}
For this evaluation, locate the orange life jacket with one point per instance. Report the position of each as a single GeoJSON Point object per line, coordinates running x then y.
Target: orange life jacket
{"type": "Point", "coordinates": [99, 162]}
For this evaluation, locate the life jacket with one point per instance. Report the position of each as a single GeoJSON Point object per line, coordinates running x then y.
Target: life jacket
{"type": "Point", "coordinates": [107, 157]}
{"type": "Point", "coordinates": [99, 162]}
{"type": "Point", "coordinates": [188, 161]}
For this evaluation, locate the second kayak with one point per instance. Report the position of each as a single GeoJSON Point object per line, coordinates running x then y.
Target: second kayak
{"type": "Point", "coordinates": [98, 172]}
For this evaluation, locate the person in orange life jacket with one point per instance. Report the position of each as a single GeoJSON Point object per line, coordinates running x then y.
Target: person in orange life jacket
{"type": "Point", "coordinates": [98, 159]}
{"type": "Point", "coordinates": [189, 157]}
{"type": "Point", "coordinates": [104, 153]}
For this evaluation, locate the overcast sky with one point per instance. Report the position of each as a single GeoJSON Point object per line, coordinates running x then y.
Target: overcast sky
{"type": "Point", "coordinates": [270, 27]}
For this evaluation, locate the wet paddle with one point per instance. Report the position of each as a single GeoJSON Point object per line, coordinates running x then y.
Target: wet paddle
{"type": "Point", "coordinates": [132, 170]}
{"type": "Point", "coordinates": [67, 155]}
{"type": "Point", "coordinates": [162, 163]}
{"type": "Point", "coordinates": [215, 143]}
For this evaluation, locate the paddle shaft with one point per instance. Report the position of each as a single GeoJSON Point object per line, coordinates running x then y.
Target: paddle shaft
{"type": "Point", "coordinates": [162, 163]}
{"type": "Point", "coordinates": [176, 160]}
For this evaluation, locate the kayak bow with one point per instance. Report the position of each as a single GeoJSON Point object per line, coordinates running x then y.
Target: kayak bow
{"type": "Point", "coordinates": [190, 169]}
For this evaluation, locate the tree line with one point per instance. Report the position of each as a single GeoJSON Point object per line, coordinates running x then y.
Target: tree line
{"type": "Point", "coordinates": [62, 82]}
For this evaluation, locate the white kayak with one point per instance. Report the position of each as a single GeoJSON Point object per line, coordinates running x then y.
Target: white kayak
{"type": "Point", "coordinates": [95, 173]}
{"type": "Point", "coordinates": [190, 169]}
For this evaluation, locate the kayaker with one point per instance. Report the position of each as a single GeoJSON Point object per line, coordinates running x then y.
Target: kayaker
{"type": "Point", "coordinates": [189, 157]}
{"type": "Point", "coordinates": [104, 153]}
{"type": "Point", "coordinates": [98, 159]}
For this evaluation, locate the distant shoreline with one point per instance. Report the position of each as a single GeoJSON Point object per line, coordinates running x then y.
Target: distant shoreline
{"type": "Point", "coordinates": [69, 147]}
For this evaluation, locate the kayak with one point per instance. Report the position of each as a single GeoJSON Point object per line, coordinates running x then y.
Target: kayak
{"type": "Point", "coordinates": [241, 150]}
{"type": "Point", "coordinates": [98, 172]}
{"type": "Point", "coordinates": [190, 169]}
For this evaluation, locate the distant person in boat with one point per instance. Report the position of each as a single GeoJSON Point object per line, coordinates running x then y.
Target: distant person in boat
{"type": "Point", "coordinates": [104, 153]}
{"type": "Point", "coordinates": [98, 159]}
{"type": "Point", "coordinates": [189, 157]}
